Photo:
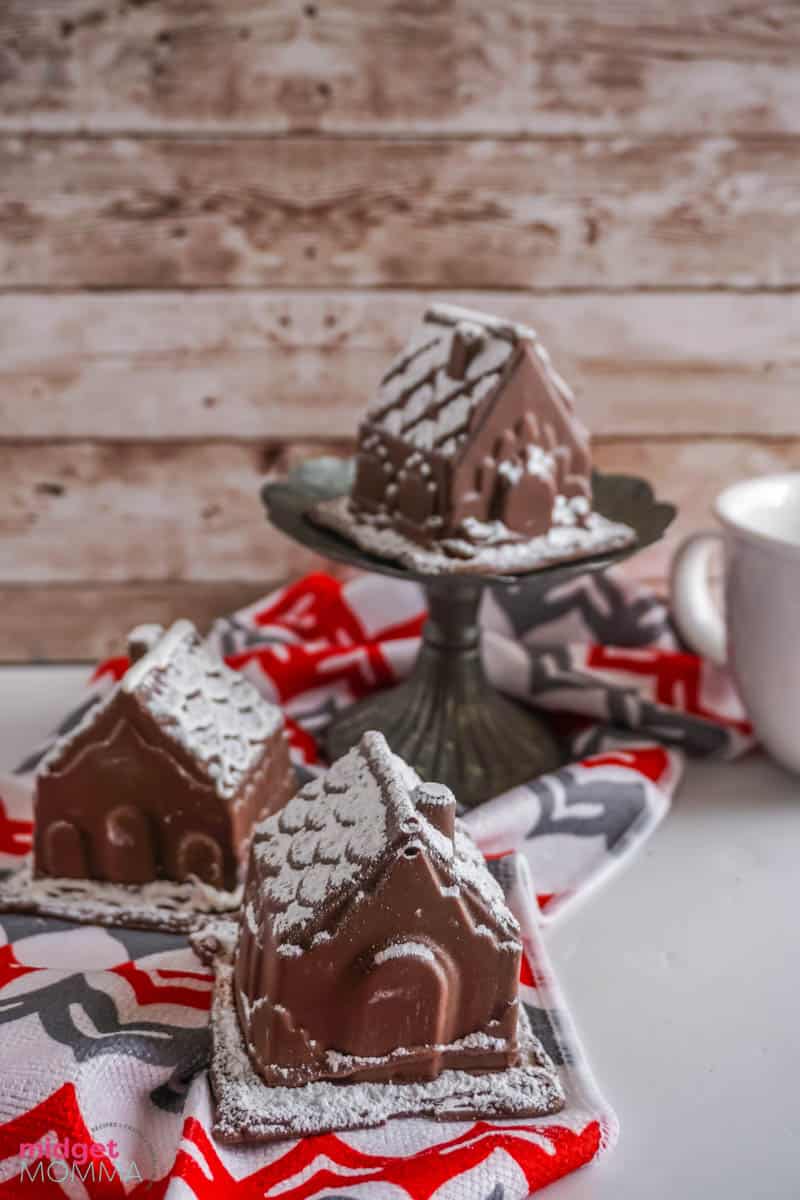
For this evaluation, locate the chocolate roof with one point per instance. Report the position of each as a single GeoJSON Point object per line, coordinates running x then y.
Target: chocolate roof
{"type": "Point", "coordinates": [213, 712]}
{"type": "Point", "coordinates": [341, 832]}
{"type": "Point", "coordinates": [434, 390]}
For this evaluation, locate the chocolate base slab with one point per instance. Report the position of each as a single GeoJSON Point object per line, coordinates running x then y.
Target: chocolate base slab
{"type": "Point", "coordinates": [163, 905]}
{"type": "Point", "coordinates": [457, 556]}
{"type": "Point", "coordinates": [248, 1111]}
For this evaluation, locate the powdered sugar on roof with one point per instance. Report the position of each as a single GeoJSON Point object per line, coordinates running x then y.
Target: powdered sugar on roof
{"type": "Point", "coordinates": [340, 832]}
{"type": "Point", "coordinates": [420, 402]}
{"type": "Point", "coordinates": [212, 711]}
{"type": "Point", "coordinates": [427, 401]}
{"type": "Point", "coordinates": [320, 844]}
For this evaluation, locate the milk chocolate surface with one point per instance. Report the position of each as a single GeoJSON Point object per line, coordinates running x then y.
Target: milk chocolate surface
{"type": "Point", "coordinates": [374, 943]}
{"type": "Point", "coordinates": [166, 775]}
{"type": "Point", "coordinates": [472, 430]}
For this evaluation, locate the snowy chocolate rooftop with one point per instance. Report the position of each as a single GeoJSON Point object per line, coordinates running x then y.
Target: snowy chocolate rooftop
{"type": "Point", "coordinates": [433, 392]}
{"type": "Point", "coordinates": [339, 832]}
{"type": "Point", "coordinates": [472, 449]}
{"type": "Point", "coordinates": [178, 727]}
{"type": "Point", "coordinates": [372, 930]}
{"type": "Point", "coordinates": [215, 713]}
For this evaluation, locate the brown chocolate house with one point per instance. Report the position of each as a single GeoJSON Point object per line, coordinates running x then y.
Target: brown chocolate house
{"type": "Point", "coordinates": [472, 427]}
{"type": "Point", "coordinates": [165, 777]}
{"type": "Point", "coordinates": [374, 943]}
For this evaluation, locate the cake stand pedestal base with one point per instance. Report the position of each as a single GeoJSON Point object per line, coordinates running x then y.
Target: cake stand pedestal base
{"type": "Point", "coordinates": [446, 720]}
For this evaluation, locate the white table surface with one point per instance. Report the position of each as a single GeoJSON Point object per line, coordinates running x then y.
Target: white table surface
{"type": "Point", "coordinates": [683, 976]}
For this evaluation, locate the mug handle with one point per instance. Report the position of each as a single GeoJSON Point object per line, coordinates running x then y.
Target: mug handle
{"type": "Point", "coordinates": [693, 608]}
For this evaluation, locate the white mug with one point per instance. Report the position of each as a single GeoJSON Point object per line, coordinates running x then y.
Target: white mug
{"type": "Point", "coordinates": [759, 637]}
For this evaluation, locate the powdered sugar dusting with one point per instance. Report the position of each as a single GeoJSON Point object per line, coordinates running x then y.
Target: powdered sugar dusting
{"type": "Point", "coordinates": [473, 874]}
{"type": "Point", "coordinates": [342, 1063]}
{"type": "Point", "coordinates": [247, 1110]}
{"type": "Point", "coordinates": [62, 744]}
{"type": "Point", "coordinates": [320, 843]}
{"type": "Point", "coordinates": [536, 461]}
{"type": "Point", "coordinates": [332, 839]}
{"type": "Point", "coordinates": [161, 904]}
{"type": "Point", "coordinates": [491, 549]}
{"type": "Point", "coordinates": [456, 315]}
{"type": "Point", "coordinates": [405, 950]}
{"type": "Point", "coordinates": [212, 711]}
{"type": "Point", "coordinates": [421, 403]}
{"type": "Point", "coordinates": [215, 713]}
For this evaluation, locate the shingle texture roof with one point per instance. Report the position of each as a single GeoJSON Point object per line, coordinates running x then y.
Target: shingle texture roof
{"type": "Point", "coordinates": [213, 712]}
{"type": "Point", "coordinates": [422, 403]}
{"type": "Point", "coordinates": [340, 831]}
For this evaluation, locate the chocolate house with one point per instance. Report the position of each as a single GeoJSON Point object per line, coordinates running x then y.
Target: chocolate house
{"type": "Point", "coordinates": [165, 777]}
{"type": "Point", "coordinates": [471, 427]}
{"type": "Point", "coordinates": [374, 943]}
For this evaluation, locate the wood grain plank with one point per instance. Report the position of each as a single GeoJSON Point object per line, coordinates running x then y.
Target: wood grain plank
{"type": "Point", "coordinates": [393, 66]}
{"type": "Point", "coordinates": [272, 365]}
{"type": "Point", "coordinates": [210, 212]}
{"type": "Point", "coordinates": [127, 512]}
{"type": "Point", "coordinates": [86, 621]}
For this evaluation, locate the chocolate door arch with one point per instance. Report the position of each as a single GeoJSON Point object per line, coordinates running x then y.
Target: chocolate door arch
{"type": "Point", "coordinates": [126, 844]}
{"type": "Point", "coordinates": [63, 848]}
{"type": "Point", "coordinates": [201, 856]}
{"type": "Point", "coordinates": [405, 999]}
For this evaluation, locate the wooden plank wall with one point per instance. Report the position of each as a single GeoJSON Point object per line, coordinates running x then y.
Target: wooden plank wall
{"type": "Point", "coordinates": [219, 217]}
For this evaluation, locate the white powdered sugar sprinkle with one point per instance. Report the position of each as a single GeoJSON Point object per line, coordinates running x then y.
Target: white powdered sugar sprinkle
{"type": "Point", "coordinates": [88, 719]}
{"type": "Point", "coordinates": [212, 711]}
{"type": "Point", "coordinates": [161, 904]}
{"type": "Point", "coordinates": [405, 950]}
{"type": "Point", "coordinates": [318, 844]}
{"type": "Point", "coordinates": [425, 406]}
{"type": "Point", "coordinates": [340, 1063]}
{"type": "Point", "coordinates": [486, 548]}
{"type": "Point", "coordinates": [248, 1110]}
{"type": "Point", "coordinates": [420, 402]}
{"type": "Point", "coordinates": [335, 838]}
{"type": "Point", "coordinates": [536, 461]}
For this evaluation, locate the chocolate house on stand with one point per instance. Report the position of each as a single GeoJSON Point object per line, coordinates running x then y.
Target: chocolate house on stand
{"type": "Point", "coordinates": [472, 426]}
{"type": "Point", "coordinates": [374, 943]}
{"type": "Point", "coordinates": [165, 777]}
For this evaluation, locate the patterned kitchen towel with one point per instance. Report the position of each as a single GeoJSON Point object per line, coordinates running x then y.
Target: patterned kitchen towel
{"type": "Point", "coordinates": [598, 650]}
{"type": "Point", "coordinates": [103, 1037]}
{"type": "Point", "coordinates": [104, 1031]}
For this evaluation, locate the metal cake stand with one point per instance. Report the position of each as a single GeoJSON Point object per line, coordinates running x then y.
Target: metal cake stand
{"type": "Point", "coordinates": [446, 719]}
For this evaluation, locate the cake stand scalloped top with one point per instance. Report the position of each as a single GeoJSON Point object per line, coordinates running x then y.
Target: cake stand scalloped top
{"type": "Point", "coordinates": [625, 498]}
